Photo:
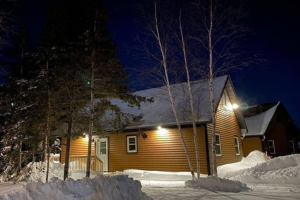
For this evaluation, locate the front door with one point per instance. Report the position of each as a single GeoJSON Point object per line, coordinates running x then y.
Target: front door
{"type": "Point", "coordinates": [102, 152]}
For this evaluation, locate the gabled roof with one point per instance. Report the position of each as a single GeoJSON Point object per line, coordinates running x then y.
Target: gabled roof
{"type": "Point", "coordinates": [160, 112]}
{"type": "Point", "coordinates": [259, 117]}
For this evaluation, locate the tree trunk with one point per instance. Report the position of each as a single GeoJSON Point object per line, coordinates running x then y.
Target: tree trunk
{"type": "Point", "coordinates": [164, 63]}
{"type": "Point", "coordinates": [91, 122]}
{"type": "Point", "coordinates": [48, 130]}
{"type": "Point", "coordinates": [211, 93]}
{"type": "Point", "coordinates": [68, 146]}
{"type": "Point", "coordinates": [191, 100]}
{"type": "Point", "coordinates": [19, 158]}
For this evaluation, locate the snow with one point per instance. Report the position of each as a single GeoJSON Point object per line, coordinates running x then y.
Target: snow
{"type": "Point", "coordinates": [285, 169]}
{"type": "Point", "coordinates": [258, 124]}
{"type": "Point", "coordinates": [254, 158]}
{"type": "Point", "coordinates": [214, 183]}
{"type": "Point", "coordinates": [257, 192]}
{"type": "Point", "coordinates": [37, 172]}
{"type": "Point", "coordinates": [160, 178]}
{"type": "Point", "coordinates": [160, 112]}
{"type": "Point", "coordinates": [100, 187]}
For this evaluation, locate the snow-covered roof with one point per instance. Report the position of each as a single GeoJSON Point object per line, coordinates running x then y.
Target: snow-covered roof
{"type": "Point", "coordinates": [258, 124]}
{"type": "Point", "coordinates": [159, 112]}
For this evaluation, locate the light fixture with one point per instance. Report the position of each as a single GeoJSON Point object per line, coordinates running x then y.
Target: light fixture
{"type": "Point", "coordinates": [235, 106]}
{"type": "Point", "coordinates": [231, 106]}
{"type": "Point", "coordinates": [162, 132]}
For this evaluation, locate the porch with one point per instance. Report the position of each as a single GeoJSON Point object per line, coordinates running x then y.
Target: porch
{"type": "Point", "coordinates": [78, 162]}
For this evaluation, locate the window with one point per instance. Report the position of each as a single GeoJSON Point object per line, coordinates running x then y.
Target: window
{"type": "Point", "coordinates": [236, 145]}
{"type": "Point", "coordinates": [271, 146]}
{"type": "Point", "coordinates": [102, 148]}
{"type": "Point", "coordinates": [291, 147]}
{"type": "Point", "coordinates": [131, 144]}
{"type": "Point", "coordinates": [218, 145]}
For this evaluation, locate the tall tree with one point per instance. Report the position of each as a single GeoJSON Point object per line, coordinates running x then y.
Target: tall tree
{"type": "Point", "coordinates": [105, 74]}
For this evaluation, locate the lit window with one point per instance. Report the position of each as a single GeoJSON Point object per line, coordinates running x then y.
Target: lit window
{"type": "Point", "coordinates": [272, 147]}
{"type": "Point", "coordinates": [236, 145]}
{"type": "Point", "coordinates": [291, 147]}
{"type": "Point", "coordinates": [218, 145]}
{"type": "Point", "coordinates": [131, 144]}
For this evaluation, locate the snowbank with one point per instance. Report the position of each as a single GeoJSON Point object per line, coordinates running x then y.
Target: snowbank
{"type": "Point", "coordinates": [254, 158]}
{"type": "Point", "coordinates": [285, 169]}
{"type": "Point", "coordinates": [38, 172]}
{"type": "Point", "coordinates": [100, 187]}
{"type": "Point", "coordinates": [214, 183]}
{"type": "Point", "coordinates": [159, 175]}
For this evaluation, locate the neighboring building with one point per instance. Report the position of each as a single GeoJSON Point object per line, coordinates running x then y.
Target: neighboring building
{"type": "Point", "coordinates": [271, 130]}
{"type": "Point", "coordinates": [152, 142]}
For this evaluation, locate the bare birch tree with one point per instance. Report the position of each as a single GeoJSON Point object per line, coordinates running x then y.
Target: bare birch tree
{"type": "Point", "coordinates": [190, 95]}
{"type": "Point", "coordinates": [219, 36]}
{"type": "Point", "coordinates": [163, 61]}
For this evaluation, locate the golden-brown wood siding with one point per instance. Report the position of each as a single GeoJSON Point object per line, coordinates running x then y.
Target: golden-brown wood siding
{"type": "Point", "coordinates": [228, 127]}
{"type": "Point", "coordinates": [251, 144]}
{"type": "Point", "coordinates": [156, 152]}
{"type": "Point", "coordinates": [78, 147]}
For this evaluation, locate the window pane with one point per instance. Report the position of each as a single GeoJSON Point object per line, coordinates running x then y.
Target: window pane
{"type": "Point", "coordinates": [272, 150]}
{"type": "Point", "coordinates": [217, 139]}
{"type": "Point", "coordinates": [237, 150]}
{"type": "Point", "coordinates": [131, 140]}
{"type": "Point", "coordinates": [270, 143]}
{"type": "Point", "coordinates": [218, 149]}
{"type": "Point", "coordinates": [235, 141]}
{"type": "Point", "coordinates": [102, 144]}
{"type": "Point", "coordinates": [102, 151]}
{"type": "Point", "coordinates": [131, 147]}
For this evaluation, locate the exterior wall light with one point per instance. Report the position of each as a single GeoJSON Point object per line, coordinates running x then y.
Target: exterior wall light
{"type": "Point", "coordinates": [162, 132]}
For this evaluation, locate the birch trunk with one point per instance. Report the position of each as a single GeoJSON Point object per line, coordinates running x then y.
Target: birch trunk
{"type": "Point", "coordinates": [190, 99]}
{"type": "Point", "coordinates": [211, 92]}
{"type": "Point", "coordinates": [164, 63]}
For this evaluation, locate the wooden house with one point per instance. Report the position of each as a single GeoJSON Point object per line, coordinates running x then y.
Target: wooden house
{"type": "Point", "coordinates": [270, 129]}
{"type": "Point", "coordinates": [152, 142]}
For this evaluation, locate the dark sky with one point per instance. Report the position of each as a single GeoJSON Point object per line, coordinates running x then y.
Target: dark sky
{"type": "Point", "coordinates": [276, 26]}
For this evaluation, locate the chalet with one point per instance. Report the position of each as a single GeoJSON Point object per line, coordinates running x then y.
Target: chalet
{"type": "Point", "coordinates": [270, 129]}
{"type": "Point", "coordinates": [151, 141]}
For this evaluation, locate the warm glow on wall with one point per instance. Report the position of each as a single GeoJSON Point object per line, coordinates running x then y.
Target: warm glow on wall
{"type": "Point", "coordinates": [162, 133]}
{"type": "Point", "coordinates": [86, 137]}
{"type": "Point", "coordinates": [231, 106]}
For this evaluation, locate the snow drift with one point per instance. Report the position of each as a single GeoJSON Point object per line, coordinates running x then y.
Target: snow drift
{"type": "Point", "coordinates": [101, 188]}
{"type": "Point", "coordinates": [214, 183]}
{"type": "Point", "coordinates": [285, 169]}
{"type": "Point", "coordinates": [254, 158]}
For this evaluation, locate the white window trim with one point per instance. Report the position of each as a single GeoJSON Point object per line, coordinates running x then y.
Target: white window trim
{"type": "Point", "coordinates": [293, 146]}
{"type": "Point", "coordinates": [219, 144]}
{"type": "Point", "coordinates": [127, 144]}
{"type": "Point", "coordinates": [273, 146]}
{"type": "Point", "coordinates": [238, 145]}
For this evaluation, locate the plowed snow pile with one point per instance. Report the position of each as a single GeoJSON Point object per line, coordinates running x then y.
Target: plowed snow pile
{"type": "Point", "coordinates": [284, 169]}
{"type": "Point", "coordinates": [254, 158]}
{"type": "Point", "coordinates": [100, 188]}
{"type": "Point", "coordinates": [214, 183]}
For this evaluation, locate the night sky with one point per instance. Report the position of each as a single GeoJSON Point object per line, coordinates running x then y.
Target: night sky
{"type": "Point", "coordinates": [276, 26]}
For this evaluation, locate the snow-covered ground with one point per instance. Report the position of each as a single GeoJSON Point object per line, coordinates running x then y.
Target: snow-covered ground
{"type": "Point", "coordinates": [259, 192]}
{"type": "Point", "coordinates": [276, 179]}
{"type": "Point", "coordinates": [254, 158]}
{"type": "Point", "coordinates": [280, 170]}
